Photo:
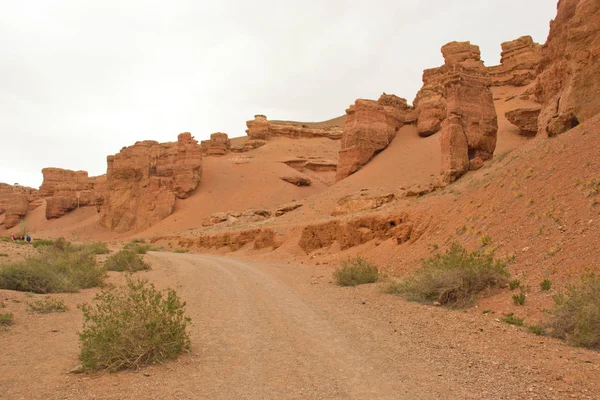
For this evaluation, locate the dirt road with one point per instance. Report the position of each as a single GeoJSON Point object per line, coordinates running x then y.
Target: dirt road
{"type": "Point", "coordinates": [283, 331]}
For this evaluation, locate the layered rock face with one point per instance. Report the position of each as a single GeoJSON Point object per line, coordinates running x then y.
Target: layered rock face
{"type": "Point", "coordinates": [526, 119]}
{"type": "Point", "coordinates": [430, 102]}
{"type": "Point", "coordinates": [568, 86]}
{"type": "Point", "coordinates": [370, 127]}
{"type": "Point", "coordinates": [218, 145]}
{"type": "Point", "coordinates": [65, 190]}
{"type": "Point", "coordinates": [518, 64]}
{"type": "Point", "coordinates": [144, 180]}
{"type": "Point", "coordinates": [15, 203]}
{"type": "Point", "coordinates": [261, 129]}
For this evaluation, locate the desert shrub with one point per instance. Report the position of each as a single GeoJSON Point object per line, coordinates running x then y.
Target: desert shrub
{"type": "Point", "coordinates": [519, 299]}
{"type": "Point", "coordinates": [46, 306]}
{"type": "Point", "coordinates": [132, 326]}
{"type": "Point", "coordinates": [94, 248]}
{"type": "Point", "coordinates": [137, 248]}
{"type": "Point", "coordinates": [454, 278]}
{"type": "Point", "coordinates": [42, 242]}
{"type": "Point", "coordinates": [3, 255]}
{"type": "Point", "coordinates": [138, 240]}
{"type": "Point", "coordinates": [514, 284]}
{"type": "Point", "coordinates": [52, 271]}
{"type": "Point", "coordinates": [182, 251]}
{"type": "Point", "coordinates": [7, 319]}
{"type": "Point", "coordinates": [536, 330]}
{"type": "Point", "coordinates": [512, 320]}
{"type": "Point", "coordinates": [5, 239]}
{"type": "Point", "coordinates": [126, 260]}
{"type": "Point", "coordinates": [356, 271]}
{"type": "Point", "coordinates": [546, 285]}
{"type": "Point", "coordinates": [576, 315]}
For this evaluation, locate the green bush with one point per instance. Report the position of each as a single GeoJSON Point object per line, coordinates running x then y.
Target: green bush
{"type": "Point", "coordinates": [53, 271]}
{"type": "Point", "coordinates": [519, 299]}
{"type": "Point", "coordinates": [138, 240]}
{"type": "Point", "coordinates": [126, 260]}
{"type": "Point", "coordinates": [512, 320]}
{"type": "Point", "coordinates": [3, 255]}
{"type": "Point", "coordinates": [576, 315]}
{"type": "Point", "coordinates": [7, 319]}
{"type": "Point", "coordinates": [454, 278]}
{"type": "Point", "coordinates": [137, 248]}
{"type": "Point", "coordinates": [132, 326]}
{"type": "Point", "coordinates": [536, 330]}
{"type": "Point", "coordinates": [42, 242]}
{"type": "Point", "coordinates": [514, 284]}
{"type": "Point", "coordinates": [182, 251]}
{"type": "Point", "coordinates": [46, 306]}
{"type": "Point", "coordinates": [546, 285]}
{"type": "Point", "coordinates": [94, 248]}
{"type": "Point", "coordinates": [356, 271]}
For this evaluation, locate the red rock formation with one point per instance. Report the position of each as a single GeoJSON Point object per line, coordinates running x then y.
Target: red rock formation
{"type": "Point", "coordinates": [370, 127]}
{"type": "Point", "coordinates": [526, 119]}
{"type": "Point", "coordinates": [430, 103]}
{"type": "Point", "coordinates": [14, 203]}
{"type": "Point", "coordinates": [66, 190]}
{"type": "Point", "coordinates": [261, 129]}
{"type": "Point", "coordinates": [218, 145]}
{"type": "Point", "coordinates": [144, 180]}
{"type": "Point", "coordinates": [568, 86]}
{"type": "Point", "coordinates": [518, 64]}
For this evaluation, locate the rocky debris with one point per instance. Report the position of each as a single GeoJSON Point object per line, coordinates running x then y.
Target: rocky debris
{"type": "Point", "coordinates": [526, 119]}
{"type": "Point", "coordinates": [253, 144]}
{"type": "Point", "coordinates": [65, 190]}
{"type": "Point", "coordinates": [15, 202]}
{"type": "Point", "coordinates": [370, 127]}
{"type": "Point", "coordinates": [262, 129]}
{"type": "Point", "coordinates": [231, 217]}
{"type": "Point", "coordinates": [297, 180]}
{"type": "Point", "coordinates": [419, 190]}
{"type": "Point", "coordinates": [475, 164]}
{"type": "Point", "coordinates": [234, 240]}
{"type": "Point", "coordinates": [567, 85]}
{"type": "Point", "coordinates": [286, 208]}
{"type": "Point", "coordinates": [218, 145]}
{"type": "Point", "coordinates": [364, 200]}
{"type": "Point", "coordinates": [144, 180]}
{"type": "Point", "coordinates": [518, 64]}
{"type": "Point", "coordinates": [353, 232]}
{"type": "Point", "coordinates": [301, 164]}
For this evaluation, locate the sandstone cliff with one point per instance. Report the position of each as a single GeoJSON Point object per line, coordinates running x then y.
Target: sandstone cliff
{"type": "Point", "coordinates": [518, 64]}
{"type": "Point", "coordinates": [261, 129]}
{"type": "Point", "coordinates": [218, 145]}
{"type": "Point", "coordinates": [370, 127]}
{"type": "Point", "coordinates": [65, 190]}
{"type": "Point", "coordinates": [568, 86]}
{"type": "Point", "coordinates": [15, 202]}
{"type": "Point", "coordinates": [144, 180]}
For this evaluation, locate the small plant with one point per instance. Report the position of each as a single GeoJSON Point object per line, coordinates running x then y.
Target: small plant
{"type": "Point", "coordinates": [484, 240]}
{"type": "Point", "coordinates": [514, 284]}
{"type": "Point", "coordinates": [180, 251]}
{"type": "Point", "coordinates": [132, 326]}
{"type": "Point", "coordinates": [42, 242]}
{"type": "Point", "coordinates": [576, 315]}
{"type": "Point", "coordinates": [512, 320]}
{"type": "Point", "coordinates": [137, 248]}
{"type": "Point", "coordinates": [356, 271]}
{"type": "Point", "coordinates": [95, 248]}
{"type": "Point", "coordinates": [138, 240]}
{"type": "Point", "coordinates": [126, 260]}
{"type": "Point", "coordinates": [536, 330]}
{"type": "Point", "coordinates": [546, 285]}
{"type": "Point", "coordinates": [488, 311]}
{"type": "Point", "coordinates": [3, 255]}
{"type": "Point", "coordinates": [7, 319]}
{"type": "Point", "coordinates": [46, 306]}
{"type": "Point", "coordinates": [519, 299]}
{"type": "Point", "coordinates": [5, 239]}
{"type": "Point", "coordinates": [455, 278]}
{"type": "Point", "coordinates": [461, 230]}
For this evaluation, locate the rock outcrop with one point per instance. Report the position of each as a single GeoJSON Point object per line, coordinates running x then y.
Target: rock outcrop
{"type": "Point", "coordinates": [568, 86]}
{"type": "Point", "coordinates": [65, 190]}
{"type": "Point", "coordinates": [518, 64]}
{"type": "Point", "coordinates": [261, 129]}
{"type": "Point", "coordinates": [430, 103]}
{"type": "Point", "coordinates": [364, 200]}
{"type": "Point", "coordinates": [218, 145]}
{"type": "Point", "coordinates": [15, 202]}
{"type": "Point", "coordinates": [526, 119]}
{"type": "Point", "coordinates": [370, 127]}
{"type": "Point", "coordinates": [144, 180]}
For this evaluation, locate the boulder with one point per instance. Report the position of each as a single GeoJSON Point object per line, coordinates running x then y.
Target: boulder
{"type": "Point", "coordinates": [144, 180]}
{"type": "Point", "coordinates": [518, 64]}
{"type": "Point", "coordinates": [370, 127]}
{"type": "Point", "coordinates": [286, 208]}
{"type": "Point", "coordinates": [567, 85]}
{"type": "Point", "coordinates": [526, 119]}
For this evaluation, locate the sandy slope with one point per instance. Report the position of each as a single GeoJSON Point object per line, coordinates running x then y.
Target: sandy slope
{"type": "Point", "coordinates": [283, 331]}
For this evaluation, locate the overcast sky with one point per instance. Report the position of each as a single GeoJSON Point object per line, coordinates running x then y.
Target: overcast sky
{"type": "Point", "coordinates": [81, 79]}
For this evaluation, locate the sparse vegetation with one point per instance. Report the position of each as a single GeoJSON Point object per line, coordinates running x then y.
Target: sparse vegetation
{"type": "Point", "coordinates": [512, 320]}
{"type": "Point", "coordinates": [132, 326]}
{"type": "Point", "coordinates": [180, 251]}
{"type": "Point", "coordinates": [455, 278]}
{"type": "Point", "coordinates": [536, 330]}
{"type": "Point", "coordinates": [46, 306]}
{"type": "Point", "coordinates": [484, 240]}
{"type": "Point", "coordinates": [356, 271]}
{"type": "Point", "coordinates": [5, 239]}
{"type": "Point", "coordinates": [138, 240]}
{"type": "Point", "coordinates": [137, 248]}
{"type": "Point", "coordinates": [7, 319]}
{"type": "Point", "coordinates": [519, 299]}
{"type": "Point", "coordinates": [576, 315]}
{"type": "Point", "coordinates": [94, 248]}
{"type": "Point", "coordinates": [514, 284]}
{"type": "Point", "coordinates": [42, 242]}
{"type": "Point", "coordinates": [546, 284]}
{"type": "Point", "coordinates": [3, 255]}
{"type": "Point", "coordinates": [53, 270]}
{"type": "Point", "coordinates": [126, 260]}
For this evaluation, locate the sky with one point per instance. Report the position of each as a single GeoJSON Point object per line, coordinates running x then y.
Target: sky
{"type": "Point", "coordinates": [79, 80]}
